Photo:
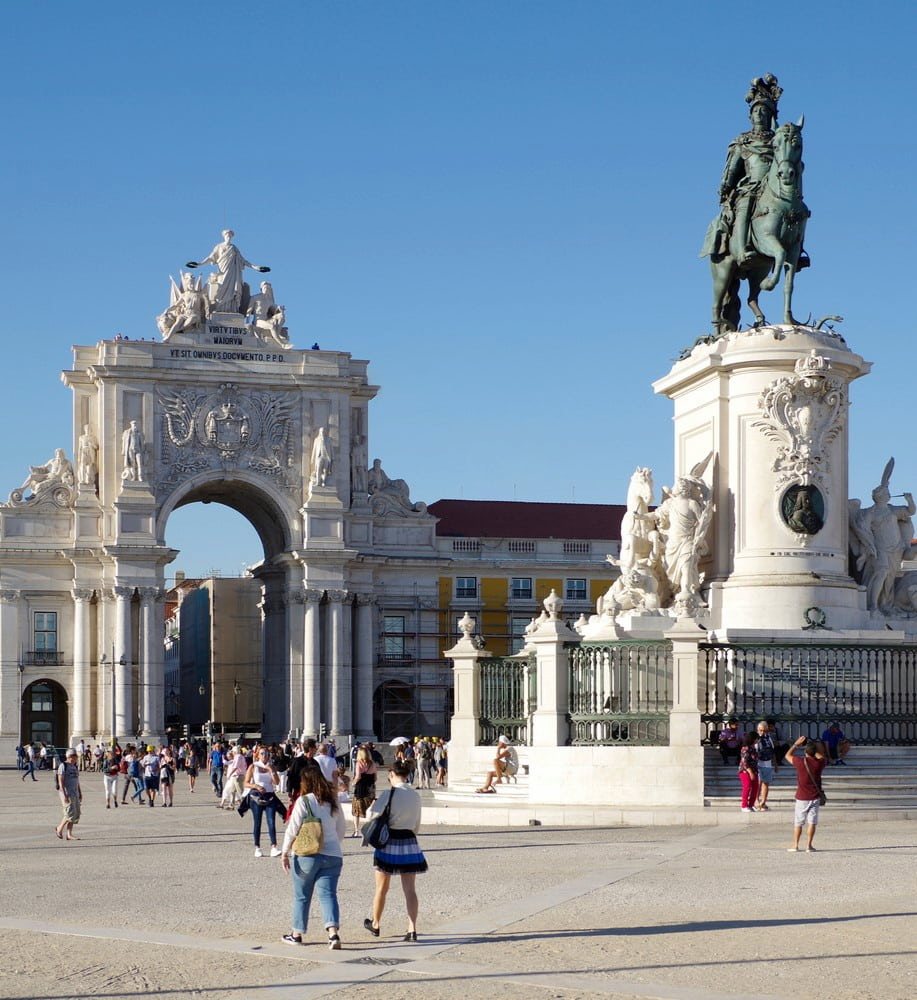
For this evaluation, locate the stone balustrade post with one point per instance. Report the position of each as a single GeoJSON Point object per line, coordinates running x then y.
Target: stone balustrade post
{"type": "Point", "coordinates": [465, 732]}
{"type": "Point", "coordinates": [688, 684]}
{"type": "Point", "coordinates": [550, 727]}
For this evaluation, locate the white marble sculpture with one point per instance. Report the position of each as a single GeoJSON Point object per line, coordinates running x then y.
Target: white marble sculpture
{"type": "Point", "coordinates": [132, 453]}
{"type": "Point", "coordinates": [684, 518]}
{"type": "Point", "coordinates": [390, 495]}
{"type": "Point", "coordinates": [322, 459]}
{"type": "Point", "coordinates": [226, 288]}
{"type": "Point", "coordinates": [52, 481]}
{"type": "Point", "coordinates": [358, 461]}
{"type": "Point", "coordinates": [661, 550]}
{"type": "Point", "coordinates": [267, 316]}
{"type": "Point", "coordinates": [880, 538]}
{"type": "Point", "coordinates": [187, 307]}
{"type": "Point", "coordinates": [87, 457]}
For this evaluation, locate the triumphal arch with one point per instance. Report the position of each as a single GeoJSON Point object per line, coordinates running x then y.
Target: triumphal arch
{"type": "Point", "coordinates": [218, 407]}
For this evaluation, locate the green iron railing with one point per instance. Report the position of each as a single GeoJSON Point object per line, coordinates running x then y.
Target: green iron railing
{"type": "Point", "coordinates": [870, 690]}
{"type": "Point", "coordinates": [620, 693]}
{"type": "Point", "coordinates": [508, 696]}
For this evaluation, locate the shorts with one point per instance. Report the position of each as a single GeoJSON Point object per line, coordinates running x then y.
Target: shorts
{"type": "Point", "coordinates": [806, 812]}
{"type": "Point", "coordinates": [151, 784]}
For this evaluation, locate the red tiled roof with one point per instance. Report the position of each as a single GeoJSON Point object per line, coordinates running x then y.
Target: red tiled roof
{"type": "Point", "coordinates": [518, 519]}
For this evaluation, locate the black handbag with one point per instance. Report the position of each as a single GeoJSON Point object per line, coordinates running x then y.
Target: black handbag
{"type": "Point", "coordinates": [376, 832]}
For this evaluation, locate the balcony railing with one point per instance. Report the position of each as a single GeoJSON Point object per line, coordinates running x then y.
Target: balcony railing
{"type": "Point", "coordinates": [43, 658]}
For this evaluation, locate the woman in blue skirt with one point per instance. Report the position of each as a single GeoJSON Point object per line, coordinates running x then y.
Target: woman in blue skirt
{"type": "Point", "coordinates": [402, 854]}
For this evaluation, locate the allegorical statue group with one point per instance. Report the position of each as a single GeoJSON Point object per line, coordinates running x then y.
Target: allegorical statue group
{"type": "Point", "coordinates": [761, 224]}
{"type": "Point", "coordinates": [192, 301]}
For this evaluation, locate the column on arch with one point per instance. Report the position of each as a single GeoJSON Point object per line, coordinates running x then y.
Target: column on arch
{"type": "Point", "coordinates": [152, 664]}
{"type": "Point", "coordinates": [363, 659]}
{"type": "Point", "coordinates": [312, 663]}
{"type": "Point", "coordinates": [275, 656]}
{"type": "Point", "coordinates": [124, 656]}
{"type": "Point", "coordinates": [11, 680]}
{"type": "Point", "coordinates": [80, 694]}
{"type": "Point", "coordinates": [341, 668]}
{"type": "Point", "coordinates": [296, 614]}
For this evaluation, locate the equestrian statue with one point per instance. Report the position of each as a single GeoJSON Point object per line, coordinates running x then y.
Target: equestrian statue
{"type": "Point", "coordinates": [762, 220]}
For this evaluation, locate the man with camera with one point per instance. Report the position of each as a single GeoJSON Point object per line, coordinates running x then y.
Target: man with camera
{"type": "Point", "coordinates": [808, 789]}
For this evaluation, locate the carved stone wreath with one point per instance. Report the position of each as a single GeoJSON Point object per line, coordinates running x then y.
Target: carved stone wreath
{"type": "Point", "coordinates": [804, 413]}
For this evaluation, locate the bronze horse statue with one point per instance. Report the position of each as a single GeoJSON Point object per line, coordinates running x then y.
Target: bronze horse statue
{"type": "Point", "coordinates": [777, 229]}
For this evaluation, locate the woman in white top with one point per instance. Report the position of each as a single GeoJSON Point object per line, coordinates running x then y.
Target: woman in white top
{"type": "Point", "coordinates": [320, 872]}
{"type": "Point", "coordinates": [402, 854]}
{"type": "Point", "coordinates": [261, 780]}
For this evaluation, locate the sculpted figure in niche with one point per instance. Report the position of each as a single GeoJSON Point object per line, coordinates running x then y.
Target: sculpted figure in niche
{"type": "Point", "coordinates": [42, 479]}
{"type": "Point", "coordinates": [187, 307]}
{"type": "Point", "coordinates": [227, 289]}
{"type": "Point", "coordinates": [322, 459]}
{"type": "Point", "coordinates": [358, 460]}
{"type": "Point", "coordinates": [880, 538]}
{"type": "Point", "coordinates": [87, 457]}
{"type": "Point", "coordinates": [132, 453]}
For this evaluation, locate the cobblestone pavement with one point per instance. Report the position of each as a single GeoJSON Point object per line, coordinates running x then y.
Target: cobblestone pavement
{"type": "Point", "coordinates": [170, 903]}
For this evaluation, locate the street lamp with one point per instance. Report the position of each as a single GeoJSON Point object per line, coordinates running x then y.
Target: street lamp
{"type": "Point", "coordinates": [114, 718]}
{"type": "Point", "coordinates": [236, 691]}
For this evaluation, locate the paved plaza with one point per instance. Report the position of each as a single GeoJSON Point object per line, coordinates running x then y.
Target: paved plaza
{"type": "Point", "coordinates": [170, 903]}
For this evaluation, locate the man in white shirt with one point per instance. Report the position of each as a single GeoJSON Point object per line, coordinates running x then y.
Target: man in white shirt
{"type": "Point", "coordinates": [328, 765]}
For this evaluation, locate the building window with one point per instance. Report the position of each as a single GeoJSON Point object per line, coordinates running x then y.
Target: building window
{"type": "Point", "coordinates": [466, 586]}
{"type": "Point", "coordinates": [517, 627]}
{"type": "Point", "coordinates": [576, 590]}
{"type": "Point", "coordinates": [45, 631]}
{"type": "Point", "coordinates": [42, 699]}
{"type": "Point", "coordinates": [393, 637]}
{"type": "Point", "coordinates": [521, 588]}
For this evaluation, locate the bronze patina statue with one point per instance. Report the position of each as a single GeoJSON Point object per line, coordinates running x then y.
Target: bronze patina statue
{"type": "Point", "coordinates": [762, 220]}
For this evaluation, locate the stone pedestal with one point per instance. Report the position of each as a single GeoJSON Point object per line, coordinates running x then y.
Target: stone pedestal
{"type": "Point", "coordinates": [771, 405]}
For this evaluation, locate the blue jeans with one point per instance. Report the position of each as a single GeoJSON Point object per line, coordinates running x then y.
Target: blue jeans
{"type": "Point", "coordinates": [258, 811]}
{"type": "Point", "coordinates": [320, 872]}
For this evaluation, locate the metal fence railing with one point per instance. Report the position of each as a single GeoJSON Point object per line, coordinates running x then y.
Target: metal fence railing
{"type": "Point", "coordinates": [870, 690]}
{"type": "Point", "coordinates": [508, 697]}
{"type": "Point", "coordinates": [620, 693]}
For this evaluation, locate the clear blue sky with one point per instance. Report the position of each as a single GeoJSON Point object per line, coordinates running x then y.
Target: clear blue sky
{"type": "Point", "coordinates": [499, 204]}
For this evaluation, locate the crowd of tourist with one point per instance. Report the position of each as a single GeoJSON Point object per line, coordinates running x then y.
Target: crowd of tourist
{"type": "Point", "coordinates": [292, 782]}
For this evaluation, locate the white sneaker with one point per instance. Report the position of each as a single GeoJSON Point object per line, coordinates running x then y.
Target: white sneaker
{"type": "Point", "coordinates": [259, 853]}
{"type": "Point", "coordinates": [275, 852]}
{"type": "Point", "coordinates": [745, 809]}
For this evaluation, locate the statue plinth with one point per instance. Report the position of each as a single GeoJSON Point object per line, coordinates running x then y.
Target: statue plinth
{"type": "Point", "coordinates": [771, 404]}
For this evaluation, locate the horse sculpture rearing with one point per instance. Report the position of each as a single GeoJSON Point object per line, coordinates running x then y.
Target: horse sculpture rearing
{"type": "Point", "coordinates": [777, 229]}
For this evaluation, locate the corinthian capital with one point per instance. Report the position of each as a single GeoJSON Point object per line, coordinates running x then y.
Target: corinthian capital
{"type": "Point", "coordinates": [123, 592]}
{"type": "Point", "coordinates": [337, 596]}
{"type": "Point", "coordinates": [80, 594]}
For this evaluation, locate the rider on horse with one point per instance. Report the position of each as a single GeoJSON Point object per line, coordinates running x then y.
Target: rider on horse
{"type": "Point", "coordinates": [747, 162]}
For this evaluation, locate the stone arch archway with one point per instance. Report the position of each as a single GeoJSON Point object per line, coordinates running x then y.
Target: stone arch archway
{"type": "Point", "coordinates": [216, 414]}
{"type": "Point", "coordinates": [267, 686]}
{"type": "Point", "coordinates": [45, 713]}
